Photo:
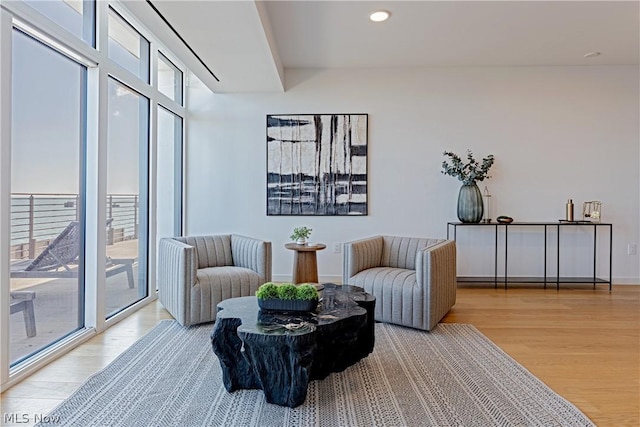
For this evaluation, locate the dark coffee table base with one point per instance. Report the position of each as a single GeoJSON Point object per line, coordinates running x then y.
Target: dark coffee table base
{"type": "Point", "coordinates": [283, 364]}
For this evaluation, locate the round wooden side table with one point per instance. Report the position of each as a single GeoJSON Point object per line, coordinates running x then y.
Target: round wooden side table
{"type": "Point", "coordinates": [305, 265]}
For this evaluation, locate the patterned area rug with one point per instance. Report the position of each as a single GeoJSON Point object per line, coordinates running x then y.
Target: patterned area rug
{"type": "Point", "coordinates": [453, 376]}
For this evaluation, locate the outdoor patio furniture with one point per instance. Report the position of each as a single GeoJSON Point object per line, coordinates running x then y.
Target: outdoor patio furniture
{"type": "Point", "coordinates": [59, 260]}
{"type": "Point", "coordinates": [22, 301]}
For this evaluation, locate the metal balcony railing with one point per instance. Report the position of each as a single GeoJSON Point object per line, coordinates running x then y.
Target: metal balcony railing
{"type": "Point", "coordinates": [37, 218]}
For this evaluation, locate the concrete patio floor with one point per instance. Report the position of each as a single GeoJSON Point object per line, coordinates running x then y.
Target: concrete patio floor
{"type": "Point", "coordinates": [56, 304]}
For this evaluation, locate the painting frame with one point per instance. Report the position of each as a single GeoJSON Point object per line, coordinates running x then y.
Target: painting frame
{"type": "Point", "coordinates": [317, 164]}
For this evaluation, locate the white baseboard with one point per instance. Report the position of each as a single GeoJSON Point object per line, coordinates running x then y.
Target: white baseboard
{"type": "Point", "coordinates": [338, 279]}
{"type": "Point", "coordinates": [626, 280]}
{"type": "Point", "coordinates": [323, 279]}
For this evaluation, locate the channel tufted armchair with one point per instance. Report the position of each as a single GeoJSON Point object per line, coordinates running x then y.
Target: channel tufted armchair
{"type": "Point", "coordinates": [196, 273]}
{"type": "Point", "coordinates": [413, 279]}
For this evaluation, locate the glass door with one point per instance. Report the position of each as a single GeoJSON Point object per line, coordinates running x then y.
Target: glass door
{"type": "Point", "coordinates": [47, 197]}
{"type": "Point", "coordinates": [127, 197]}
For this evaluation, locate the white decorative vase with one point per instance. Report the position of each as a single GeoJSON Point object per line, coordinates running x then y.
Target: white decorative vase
{"type": "Point", "coordinates": [301, 241]}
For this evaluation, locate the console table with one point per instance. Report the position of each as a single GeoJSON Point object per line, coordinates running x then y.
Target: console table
{"type": "Point", "coordinates": [544, 226]}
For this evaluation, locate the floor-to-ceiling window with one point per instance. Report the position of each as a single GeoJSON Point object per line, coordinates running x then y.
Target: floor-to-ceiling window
{"type": "Point", "coordinates": [47, 218]}
{"type": "Point", "coordinates": [169, 151]}
{"type": "Point", "coordinates": [127, 166]}
{"type": "Point", "coordinates": [127, 187]}
{"type": "Point", "coordinates": [94, 161]}
{"type": "Point", "coordinates": [169, 183]}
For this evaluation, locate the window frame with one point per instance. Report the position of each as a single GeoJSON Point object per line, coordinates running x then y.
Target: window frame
{"type": "Point", "coordinates": [25, 17]}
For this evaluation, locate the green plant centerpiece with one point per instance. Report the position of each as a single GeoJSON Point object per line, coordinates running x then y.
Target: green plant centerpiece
{"type": "Point", "coordinates": [267, 291]}
{"type": "Point", "coordinates": [470, 205]}
{"type": "Point", "coordinates": [287, 297]}
{"type": "Point", "coordinates": [287, 291]}
{"type": "Point", "coordinates": [301, 234]}
{"type": "Point", "coordinates": [306, 292]}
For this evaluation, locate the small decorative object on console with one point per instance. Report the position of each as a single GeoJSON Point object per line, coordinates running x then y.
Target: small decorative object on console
{"type": "Point", "coordinates": [301, 234]}
{"type": "Point", "coordinates": [592, 211]}
{"type": "Point", "coordinates": [287, 297]}
{"type": "Point", "coordinates": [569, 211]}
{"type": "Point", "coordinates": [504, 219]}
{"type": "Point", "coordinates": [486, 197]}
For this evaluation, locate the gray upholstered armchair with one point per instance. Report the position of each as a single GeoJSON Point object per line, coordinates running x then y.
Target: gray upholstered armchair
{"type": "Point", "coordinates": [413, 279]}
{"type": "Point", "coordinates": [196, 273]}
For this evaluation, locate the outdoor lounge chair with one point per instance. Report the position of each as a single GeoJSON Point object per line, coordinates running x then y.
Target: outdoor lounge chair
{"type": "Point", "coordinates": [59, 260]}
{"type": "Point", "coordinates": [22, 301]}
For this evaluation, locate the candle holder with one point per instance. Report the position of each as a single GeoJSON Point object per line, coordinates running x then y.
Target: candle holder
{"type": "Point", "coordinates": [486, 200]}
{"type": "Point", "coordinates": [592, 211]}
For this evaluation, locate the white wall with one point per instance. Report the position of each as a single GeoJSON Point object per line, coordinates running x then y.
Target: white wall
{"type": "Point", "coordinates": [556, 133]}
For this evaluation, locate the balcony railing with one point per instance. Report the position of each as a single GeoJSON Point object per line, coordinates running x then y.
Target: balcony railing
{"type": "Point", "coordinates": [37, 218]}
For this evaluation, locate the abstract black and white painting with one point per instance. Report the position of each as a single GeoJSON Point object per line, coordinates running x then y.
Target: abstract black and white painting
{"type": "Point", "coordinates": [317, 164]}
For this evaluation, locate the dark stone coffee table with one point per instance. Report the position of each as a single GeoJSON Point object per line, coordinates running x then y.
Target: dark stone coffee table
{"type": "Point", "coordinates": [281, 352]}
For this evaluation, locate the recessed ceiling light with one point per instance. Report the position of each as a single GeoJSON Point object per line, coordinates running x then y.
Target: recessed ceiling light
{"type": "Point", "coordinates": [592, 54]}
{"type": "Point", "coordinates": [379, 15]}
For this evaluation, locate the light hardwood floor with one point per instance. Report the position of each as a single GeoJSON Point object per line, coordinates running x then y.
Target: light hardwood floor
{"type": "Point", "coordinates": [584, 344]}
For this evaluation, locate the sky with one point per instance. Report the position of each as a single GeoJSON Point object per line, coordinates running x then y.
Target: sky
{"type": "Point", "coordinates": [47, 121]}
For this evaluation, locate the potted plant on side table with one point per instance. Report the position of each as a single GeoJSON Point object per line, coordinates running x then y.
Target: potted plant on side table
{"type": "Point", "coordinates": [301, 234]}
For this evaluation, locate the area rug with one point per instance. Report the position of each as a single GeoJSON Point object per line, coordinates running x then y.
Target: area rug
{"type": "Point", "coordinates": [452, 376]}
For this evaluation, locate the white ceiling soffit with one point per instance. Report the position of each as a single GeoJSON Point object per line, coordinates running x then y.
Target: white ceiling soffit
{"type": "Point", "coordinates": [230, 37]}
{"type": "Point", "coordinates": [247, 44]}
{"type": "Point", "coordinates": [328, 34]}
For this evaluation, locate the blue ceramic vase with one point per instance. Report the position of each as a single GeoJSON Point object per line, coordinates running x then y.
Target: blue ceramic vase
{"type": "Point", "coordinates": [470, 206]}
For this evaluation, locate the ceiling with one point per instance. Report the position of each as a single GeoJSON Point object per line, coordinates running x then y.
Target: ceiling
{"type": "Point", "coordinates": [248, 45]}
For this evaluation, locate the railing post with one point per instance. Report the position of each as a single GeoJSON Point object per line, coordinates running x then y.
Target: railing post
{"type": "Point", "coordinates": [77, 207]}
{"type": "Point", "coordinates": [110, 231]}
{"type": "Point", "coordinates": [32, 241]}
{"type": "Point", "coordinates": [135, 216]}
